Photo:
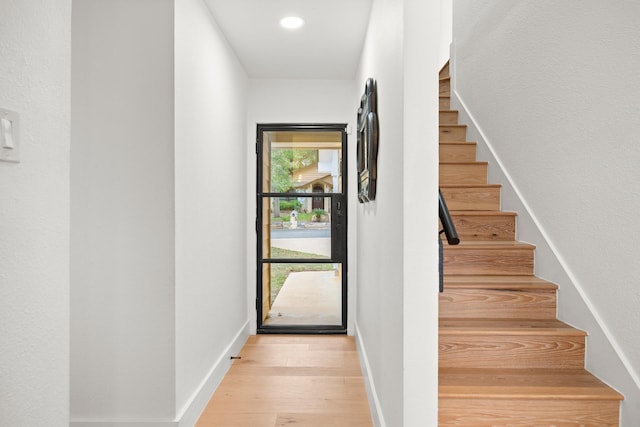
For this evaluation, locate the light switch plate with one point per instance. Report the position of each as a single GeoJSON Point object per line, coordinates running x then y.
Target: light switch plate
{"type": "Point", "coordinates": [9, 136]}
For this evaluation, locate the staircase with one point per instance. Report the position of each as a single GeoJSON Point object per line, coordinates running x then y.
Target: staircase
{"type": "Point", "coordinates": [505, 360]}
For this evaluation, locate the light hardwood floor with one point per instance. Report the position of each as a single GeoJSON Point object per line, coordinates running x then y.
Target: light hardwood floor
{"type": "Point", "coordinates": [285, 380]}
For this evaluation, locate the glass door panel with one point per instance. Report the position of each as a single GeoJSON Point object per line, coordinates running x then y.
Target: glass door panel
{"type": "Point", "coordinates": [305, 294]}
{"type": "Point", "coordinates": [293, 231]}
{"type": "Point", "coordinates": [302, 162]}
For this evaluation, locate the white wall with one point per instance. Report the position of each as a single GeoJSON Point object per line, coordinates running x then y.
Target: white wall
{"type": "Point", "coordinates": [298, 101]}
{"type": "Point", "coordinates": [158, 262]}
{"type": "Point", "coordinates": [210, 158]}
{"type": "Point", "coordinates": [122, 212]}
{"type": "Point", "coordinates": [379, 323]}
{"type": "Point", "coordinates": [420, 206]}
{"type": "Point", "coordinates": [552, 87]}
{"type": "Point", "coordinates": [397, 234]}
{"type": "Point", "coordinates": [446, 31]}
{"type": "Point", "coordinates": [34, 215]}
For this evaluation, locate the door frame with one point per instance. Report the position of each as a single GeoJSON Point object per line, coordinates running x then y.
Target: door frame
{"type": "Point", "coordinates": [338, 228]}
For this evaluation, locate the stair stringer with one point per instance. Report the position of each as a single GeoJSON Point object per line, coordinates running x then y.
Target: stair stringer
{"type": "Point", "coordinates": [604, 357]}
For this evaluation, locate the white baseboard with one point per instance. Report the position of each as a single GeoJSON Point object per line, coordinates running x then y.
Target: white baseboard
{"type": "Point", "coordinates": [372, 395]}
{"type": "Point", "coordinates": [127, 423]}
{"type": "Point", "coordinates": [191, 411]}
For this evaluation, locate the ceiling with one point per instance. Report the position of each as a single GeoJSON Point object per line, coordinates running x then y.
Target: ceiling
{"type": "Point", "coordinates": [328, 46]}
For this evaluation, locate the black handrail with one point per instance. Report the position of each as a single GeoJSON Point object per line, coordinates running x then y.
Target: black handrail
{"type": "Point", "coordinates": [448, 228]}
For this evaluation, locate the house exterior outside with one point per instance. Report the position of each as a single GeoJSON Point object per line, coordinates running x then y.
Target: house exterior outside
{"type": "Point", "coordinates": [320, 177]}
{"type": "Point", "coordinates": [107, 309]}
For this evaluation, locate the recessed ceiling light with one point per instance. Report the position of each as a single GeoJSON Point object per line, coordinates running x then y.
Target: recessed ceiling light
{"type": "Point", "coordinates": [291, 22]}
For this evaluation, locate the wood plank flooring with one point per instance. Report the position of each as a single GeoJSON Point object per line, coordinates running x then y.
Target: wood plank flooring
{"type": "Point", "coordinates": [285, 380]}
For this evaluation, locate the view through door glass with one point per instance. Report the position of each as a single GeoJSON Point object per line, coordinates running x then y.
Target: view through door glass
{"type": "Point", "coordinates": [302, 233]}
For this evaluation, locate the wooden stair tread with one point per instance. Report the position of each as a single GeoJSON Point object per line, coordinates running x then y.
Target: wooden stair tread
{"type": "Point", "coordinates": [453, 163]}
{"type": "Point", "coordinates": [488, 244]}
{"type": "Point", "coordinates": [471, 186]}
{"type": "Point", "coordinates": [543, 384]}
{"type": "Point", "coordinates": [498, 297]}
{"type": "Point", "coordinates": [464, 326]}
{"type": "Point", "coordinates": [445, 85]}
{"type": "Point", "coordinates": [482, 213]}
{"type": "Point", "coordinates": [466, 171]}
{"type": "Point", "coordinates": [491, 257]}
{"type": "Point", "coordinates": [497, 282]}
{"type": "Point", "coordinates": [458, 142]}
{"type": "Point", "coordinates": [472, 197]}
{"type": "Point", "coordinates": [448, 116]}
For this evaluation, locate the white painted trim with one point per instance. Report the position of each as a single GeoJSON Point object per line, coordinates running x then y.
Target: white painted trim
{"type": "Point", "coordinates": [191, 411]}
{"type": "Point", "coordinates": [123, 423]}
{"type": "Point", "coordinates": [561, 261]}
{"type": "Point", "coordinates": [374, 403]}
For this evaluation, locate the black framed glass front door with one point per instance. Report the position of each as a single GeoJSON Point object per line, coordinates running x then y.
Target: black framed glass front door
{"type": "Point", "coordinates": [301, 223]}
